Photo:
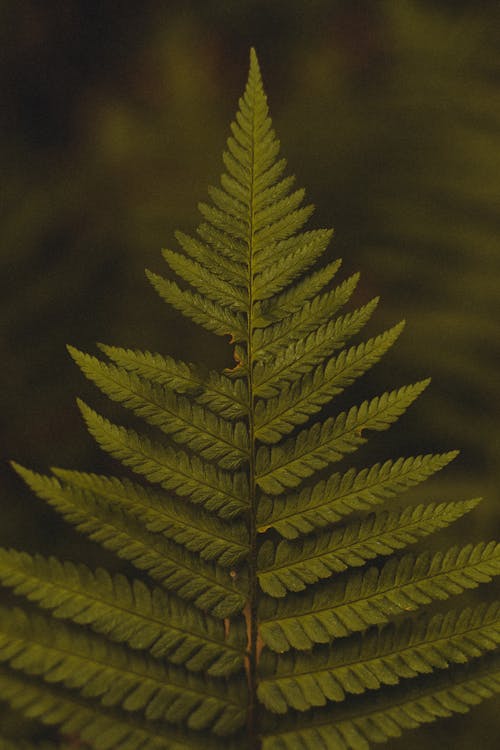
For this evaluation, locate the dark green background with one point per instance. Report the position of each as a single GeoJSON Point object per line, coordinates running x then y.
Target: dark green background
{"type": "Point", "coordinates": [113, 119]}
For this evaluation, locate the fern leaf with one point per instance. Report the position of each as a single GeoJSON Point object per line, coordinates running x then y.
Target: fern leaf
{"type": "Point", "coordinates": [103, 729]}
{"type": "Point", "coordinates": [300, 356]}
{"type": "Point", "coordinates": [227, 268]}
{"type": "Point", "coordinates": [224, 243]}
{"type": "Point", "coordinates": [374, 720]}
{"type": "Point", "coordinates": [296, 402]}
{"type": "Point", "coordinates": [79, 660]}
{"type": "Point", "coordinates": [208, 586]}
{"type": "Point", "coordinates": [330, 500]}
{"type": "Point", "coordinates": [314, 448]}
{"type": "Point", "coordinates": [292, 566]}
{"type": "Point", "coordinates": [224, 396]}
{"type": "Point", "coordinates": [276, 232]}
{"type": "Point", "coordinates": [210, 315]}
{"type": "Point", "coordinates": [294, 297]}
{"type": "Point", "coordinates": [181, 377]}
{"type": "Point", "coordinates": [269, 340]}
{"type": "Point", "coordinates": [218, 226]}
{"type": "Point", "coordinates": [194, 528]}
{"type": "Point", "coordinates": [189, 424]}
{"type": "Point", "coordinates": [303, 681]}
{"type": "Point", "coordinates": [232, 205]}
{"type": "Point", "coordinates": [272, 238]}
{"type": "Point", "coordinates": [207, 283]}
{"type": "Point", "coordinates": [203, 483]}
{"type": "Point", "coordinates": [294, 257]}
{"type": "Point", "coordinates": [127, 612]}
{"type": "Point", "coordinates": [255, 610]}
{"type": "Point", "coordinates": [372, 597]}
{"type": "Point", "coordinates": [282, 327]}
{"type": "Point", "coordinates": [267, 197]}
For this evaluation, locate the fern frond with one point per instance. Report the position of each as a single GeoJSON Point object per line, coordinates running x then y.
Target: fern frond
{"type": "Point", "coordinates": [207, 283]}
{"type": "Point", "coordinates": [330, 500]}
{"type": "Point", "coordinates": [210, 315]}
{"type": "Point", "coordinates": [298, 400]}
{"type": "Point", "coordinates": [314, 448]}
{"type": "Point", "coordinates": [269, 196]}
{"type": "Point", "coordinates": [224, 396]}
{"type": "Point", "coordinates": [377, 719]}
{"type": "Point", "coordinates": [292, 566]}
{"type": "Point", "coordinates": [294, 297]}
{"type": "Point", "coordinates": [295, 256]}
{"type": "Point", "coordinates": [306, 680]}
{"type": "Point", "coordinates": [97, 669]}
{"type": "Point", "coordinates": [188, 476]}
{"type": "Point", "coordinates": [227, 268]}
{"type": "Point", "coordinates": [203, 583]}
{"type": "Point", "coordinates": [372, 597]}
{"type": "Point", "coordinates": [276, 232]}
{"type": "Point", "coordinates": [276, 328]}
{"type": "Point", "coordinates": [255, 610]}
{"type": "Point", "coordinates": [300, 356]}
{"type": "Point", "coordinates": [189, 424]}
{"type": "Point", "coordinates": [217, 228]}
{"type": "Point", "coordinates": [181, 377]}
{"type": "Point", "coordinates": [127, 612]}
{"type": "Point", "coordinates": [300, 336]}
{"type": "Point", "coordinates": [103, 729]}
{"type": "Point", "coordinates": [195, 529]}
{"type": "Point", "coordinates": [221, 241]}
{"type": "Point", "coordinates": [271, 207]}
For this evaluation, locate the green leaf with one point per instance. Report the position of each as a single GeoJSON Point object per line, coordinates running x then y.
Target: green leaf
{"type": "Point", "coordinates": [188, 476]}
{"type": "Point", "coordinates": [295, 256]}
{"type": "Point", "coordinates": [292, 566]}
{"type": "Point", "coordinates": [330, 500]}
{"type": "Point", "coordinates": [373, 597]}
{"type": "Point", "coordinates": [117, 677]}
{"type": "Point", "coordinates": [210, 315]}
{"type": "Point", "coordinates": [377, 719]}
{"type": "Point", "coordinates": [192, 425]}
{"type": "Point", "coordinates": [195, 529]}
{"type": "Point", "coordinates": [103, 729]}
{"type": "Point", "coordinates": [294, 297]}
{"type": "Point", "coordinates": [224, 396]}
{"type": "Point", "coordinates": [127, 612]}
{"type": "Point", "coordinates": [298, 399]}
{"type": "Point", "coordinates": [203, 583]}
{"type": "Point", "coordinates": [249, 591]}
{"type": "Point", "coordinates": [296, 354]}
{"type": "Point", "coordinates": [207, 283]}
{"type": "Point", "coordinates": [305, 680]}
{"type": "Point", "coordinates": [324, 443]}
{"type": "Point", "coordinates": [226, 268]}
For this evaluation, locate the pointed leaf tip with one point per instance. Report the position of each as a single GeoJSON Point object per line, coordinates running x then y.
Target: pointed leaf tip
{"type": "Point", "coordinates": [17, 467]}
{"type": "Point", "coordinates": [254, 65]}
{"type": "Point", "coordinates": [72, 351]}
{"type": "Point", "coordinates": [82, 406]}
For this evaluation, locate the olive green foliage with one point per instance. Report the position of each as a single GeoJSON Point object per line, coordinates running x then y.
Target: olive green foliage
{"type": "Point", "coordinates": [275, 604]}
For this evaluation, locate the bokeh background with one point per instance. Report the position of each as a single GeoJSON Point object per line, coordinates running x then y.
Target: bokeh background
{"type": "Point", "coordinates": [113, 118]}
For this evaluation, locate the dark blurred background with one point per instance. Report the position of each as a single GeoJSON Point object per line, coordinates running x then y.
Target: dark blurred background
{"type": "Point", "coordinates": [113, 118]}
